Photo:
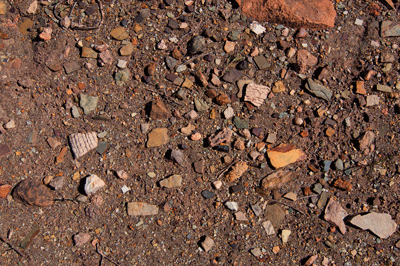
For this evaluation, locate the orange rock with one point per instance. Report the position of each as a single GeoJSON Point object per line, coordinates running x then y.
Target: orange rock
{"type": "Point", "coordinates": [237, 171]}
{"type": "Point", "coordinates": [285, 154]}
{"type": "Point", "coordinates": [360, 88]}
{"type": "Point", "coordinates": [4, 190]}
{"type": "Point", "coordinates": [276, 179]}
{"type": "Point", "coordinates": [343, 185]}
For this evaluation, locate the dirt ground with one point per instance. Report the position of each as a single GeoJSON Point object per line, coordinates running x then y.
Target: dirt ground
{"type": "Point", "coordinates": [40, 80]}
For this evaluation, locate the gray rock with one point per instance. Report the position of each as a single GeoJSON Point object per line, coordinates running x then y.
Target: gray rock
{"type": "Point", "coordinates": [262, 62]}
{"type": "Point", "coordinates": [380, 224]}
{"type": "Point", "coordinates": [200, 105]}
{"type": "Point", "coordinates": [88, 103]}
{"type": "Point", "coordinates": [122, 76]}
{"type": "Point", "coordinates": [372, 100]}
{"type": "Point", "coordinates": [170, 62]}
{"type": "Point", "coordinates": [256, 209]}
{"type": "Point", "coordinates": [177, 156]}
{"type": "Point", "coordinates": [390, 29]}
{"type": "Point", "coordinates": [318, 90]}
{"type": "Point", "coordinates": [256, 252]}
{"type": "Point", "coordinates": [269, 228]}
{"type": "Point", "coordinates": [196, 45]}
{"type": "Point", "coordinates": [207, 194]}
{"type": "Point", "coordinates": [75, 112]}
{"type": "Point", "coordinates": [199, 166]}
{"type": "Point", "coordinates": [231, 205]}
{"type": "Point", "coordinates": [240, 123]}
{"type": "Point", "coordinates": [339, 165]}
{"type": "Point", "coordinates": [322, 199]}
{"type": "Point", "coordinates": [102, 147]}
{"type": "Point", "coordinates": [232, 75]}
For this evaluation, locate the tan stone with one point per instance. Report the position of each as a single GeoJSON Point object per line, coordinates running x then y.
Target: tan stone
{"type": "Point", "coordinates": [285, 154]}
{"type": "Point", "coordinates": [3, 8]}
{"type": "Point", "coordinates": [88, 53]}
{"type": "Point", "coordinates": [276, 179]}
{"type": "Point", "coordinates": [141, 208]}
{"type": "Point", "coordinates": [127, 49]}
{"type": "Point", "coordinates": [237, 171]}
{"type": "Point", "coordinates": [119, 33]}
{"type": "Point", "coordinates": [278, 87]}
{"type": "Point", "coordinates": [256, 94]}
{"type": "Point", "coordinates": [157, 137]}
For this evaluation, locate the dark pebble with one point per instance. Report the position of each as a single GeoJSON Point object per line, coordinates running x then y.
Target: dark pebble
{"type": "Point", "coordinates": [243, 65]}
{"type": "Point", "coordinates": [237, 188]}
{"type": "Point", "coordinates": [138, 19]}
{"type": "Point", "coordinates": [207, 194]}
{"type": "Point", "coordinates": [257, 131]}
{"type": "Point", "coordinates": [124, 22]}
{"type": "Point", "coordinates": [275, 115]}
{"type": "Point", "coordinates": [183, 146]}
{"type": "Point", "coordinates": [224, 148]}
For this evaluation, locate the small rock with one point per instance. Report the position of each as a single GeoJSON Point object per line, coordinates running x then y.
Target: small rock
{"type": "Point", "coordinates": [372, 100]}
{"type": "Point", "coordinates": [318, 90]}
{"type": "Point", "coordinates": [4, 191]}
{"type": "Point", "coordinates": [239, 144]}
{"type": "Point", "coordinates": [162, 45]}
{"type": "Point", "coordinates": [177, 156]}
{"type": "Point", "coordinates": [33, 193]}
{"type": "Point", "coordinates": [285, 235]}
{"type": "Point", "coordinates": [334, 213]}
{"type": "Point", "coordinates": [271, 138]}
{"type": "Point", "coordinates": [127, 49]}
{"type": "Point", "coordinates": [119, 33]}
{"type": "Point", "coordinates": [170, 62]}
{"type": "Point", "coordinates": [141, 209]}
{"type": "Point", "coordinates": [366, 141]}
{"type": "Point", "coordinates": [240, 123]}
{"type": "Point", "coordinates": [57, 182]}
{"type": "Point", "coordinates": [275, 214]}
{"type": "Point", "coordinates": [191, 115]}
{"type": "Point", "coordinates": [236, 171]}
{"type": "Point", "coordinates": [122, 174]}
{"type": "Point", "coordinates": [88, 103]}
{"type": "Point", "coordinates": [159, 110]}
{"type": "Point", "coordinates": [188, 129]}
{"type": "Point", "coordinates": [229, 46]}
{"type": "Point", "coordinates": [207, 194]}
{"type": "Point", "coordinates": [82, 143]}
{"type": "Point", "coordinates": [220, 137]}
{"type": "Point", "coordinates": [339, 165]}
{"type": "Point", "coordinates": [390, 28]}
{"type": "Point", "coordinates": [279, 87]}
{"type": "Point", "coordinates": [157, 137]}
{"type": "Point", "coordinates": [200, 105]}
{"type": "Point", "coordinates": [276, 179]}
{"type": "Point", "coordinates": [383, 88]}
{"type": "Point", "coordinates": [217, 184]}
{"type": "Point", "coordinates": [199, 167]}
{"type": "Point", "coordinates": [229, 113]}
{"type": "Point", "coordinates": [323, 198]}
{"type": "Point", "coordinates": [232, 75]}
{"type": "Point", "coordinates": [256, 94]}
{"type": "Point", "coordinates": [144, 127]}
{"type": "Point", "coordinates": [291, 196]}
{"type": "Point", "coordinates": [53, 143]}
{"type": "Point", "coordinates": [256, 252]}
{"type": "Point", "coordinates": [223, 99]}
{"type": "Point", "coordinates": [262, 62]}
{"type": "Point", "coordinates": [81, 239]}
{"type": "Point", "coordinates": [45, 35]}
{"type": "Point", "coordinates": [285, 154]}
{"type": "Point", "coordinates": [231, 205]}
{"type": "Point", "coordinates": [269, 228]}
{"type": "Point", "coordinates": [172, 181]}
{"type": "Point", "coordinates": [207, 243]}
{"type": "Point", "coordinates": [304, 60]}
{"type": "Point", "coordinates": [380, 224]}
{"type": "Point", "coordinates": [122, 76]}
{"type": "Point", "coordinates": [88, 52]}
{"type": "Point", "coordinates": [240, 216]}
{"type": "Point", "coordinates": [196, 45]}
{"type": "Point", "coordinates": [125, 189]}
{"type": "Point", "coordinates": [257, 28]}
{"type": "Point", "coordinates": [311, 260]}
{"type": "Point", "coordinates": [75, 112]}
{"type": "Point", "coordinates": [93, 183]}
{"type": "Point", "coordinates": [196, 136]}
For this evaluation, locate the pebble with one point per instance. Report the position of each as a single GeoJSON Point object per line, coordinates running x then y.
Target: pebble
{"type": "Point", "coordinates": [291, 196]}
{"type": "Point", "coordinates": [170, 62]}
{"type": "Point", "coordinates": [141, 209]}
{"type": "Point", "coordinates": [311, 260]}
{"type": "Point", "coordinates": [88, 103]}
{"type": "Point", "coordinates": [240, 216]}
{"type": "Point", "coordinates": [122, 174]}
{"type": "Point", "coordinates": [196, 45]}
{"type": "Point", "coordinates": [323, 198]}
{"type": "Point", "coordinates": [275, 214]}
{"type": "Point", "coordinates": [162, 45]}
{"type": "Point", "coordinates": [318, 90]}
{"type": "Point", "coordinates": [380, 224]}
{"type": "Point", "coordinates": [276, 179]}
{"type": "Point", "coordinates": [236, 171]}
{"type": "Point", "coordinates": [33, 193]}
{"type": "Point", "coordinates": [383, 88]}
{"type": "Point", "coordinates": [327, 165]}
{"type": "Point", "coordinates": [157, 137]}
{"type": "Point", "coordinates": [3, 8]}
{"type": "Point", "coordinates": [172, 181]}
{"type": "Point", "coordinates": [45, 35]}
{"type": "Point", "coordinates": [279, 87]}
{"type": "Point", "coordinates": [207, 243]}
{"type": "Point", "coordinates": [57, 183]}
{"type": "Point", "coordinates": [257, 28]}
{"type": "Point", "coordinates": [177, 156]}
{"type": "Point", "coordinates": [196, 136]}
{"type": "Point", "coordinates": [285, 154]}
{"type": "Point", "coordinates": [119, 33]}
{"type": "Point", "coordinates": [256, 94]}
{"type": "Point", "coordinates": [75, 112]}
{"type": "Point", "coordinates": [159, 110]}
{"type": "Point", "coordinates": [231, 205]}
{"type": "Point", "coordinates": [269, 228]}
{"type": "Point", "coordinates": [358, 22]}
{"type": "Point", "coordinates": [122, 77]}
{"type": "Point", "coordinates": [390, 28]}
{"type": "Point", "coordinates": [125, 189]}
{"type": "Point", "coordinates": [127, 49]}
{"type": "Point", "coordinates": [339, 165]}
{"type": "Point", "coordinates": [81, 239]}
{"type": "Point", "coordinates": [372, 100]}
{"type": "Point", "coordinates": [217, 184]}
{"type": "Point", "coordinates": [262, 62]}
{"type": "Point", "coordinates": [199, 166]}
{"type": "Point", "coordinates": [229, 46]}
{"type": "Point", "coordinates": [93, 183]}
{"type": "Point", "coordinates": [191, 115]}
{"type": "Point", "coordinates": [53, 143]}
{"type": "Point", "coordinates": [5, 190]}
{"type": "Point", "coordinates": [232, 75]}
{"type": "Point", "coordinates": [256, 252]}
{"type": "Point", "coordinates": [285, 235]}
{"type": "Point", "coordinates": [271, 138]}
{"type": "Point", "coordinates": [88, 52]}
{"type": "Point", "coordinates": [200, 105]}
{"type": "Point", "coordinates": [188, 129]}
{"type": "Point", "coordinates": [82, 143]}
{"type": "Point", "coordinates": [240, 123]}
{"type": "Point", "coordinates": [229, 113]}
{"type": "Point", "coordinates": [365, 142]}
{"type": "Point", "coordinates": [207, 194]}
{"type": "Point", "coordinates": [220, 137]}
{"type": "Point", "coordinates": [334, 213]}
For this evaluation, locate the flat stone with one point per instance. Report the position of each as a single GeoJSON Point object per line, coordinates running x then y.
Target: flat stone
{"type": "Point", "coordinates": [57, 182]}
{"type": "Point", "coordinates": [122, 76]}
{"type": "Point", "coordinates": [372, 100]}
{"type": "Point", "coordinates": [81, 239]}
{"type": "Point", "coordinates": [380, 224]}
{"type": "Point", "coordinates": [172, 181]}
{"type": "Point", "coordinates": [256, 209]}
{"type": "Point", "coordinates": [229, 46]}
{"type": "Point", "coordinates": [383, 88]}
{"type": "Point", "coordinates": [279, 87]}
{"type": "Point", "coordinates": [127, 49]}
{"type": "Point", "coordinates": [207, 194]}
{"type": "Point", "coordinates": [159, 110]}
{"type": "Point", "coordinates": [334, 213]}
{"type": "Point", "coordinates": [229, 113]}
{"type": "Point", "coordinates": [88, 52]}
{"type": "Point", "coordinates": [323, 198]}
{"type": "Point", "coordinates": [93, 183]}
{"type": "Point", "coordinates": [220, 137]}
{"type": "Point", "coordinates": [119, 33]}
{"type": "Point", "coordinates": [157, 137]}
{"type": "Point", "coordinates": [269, 228]}
{"type": "Point", "coordinates": [318, 90]}
{"type": "Point", "coordinates": [366, 140]}
{"type": "Point", "coordinates": [284, 155]}
{"type": "Point", "coordinates": [240, 123]}
{"type": "Point", "coordinates": [71, 67]}
{"type": "Point", "coordinates": [275, 214]}
{"type": "Point", "coordinates": [75, 112]}
{"type": "Point", "coordinates": [53, 143]}
{"type": "Point", "coordinates": [314, 14]}
{"type": "Point", "coordinates": [285, 235]}
{"type": "Point", "coordinates": [207, 243]}
{"type": "Point", "coordinates": [5, 190]}
{"type": "Point", "coordinates": [232, 75]}
{"type": "Point", "coordinates": [240, 216]}
{"type": "Point", "coordinates": [305, 60]}
{"type": "Point", "coordinates": [256, 94]}
{"type": "Point", "coordinates": [390, 28]}
{"type": "Point", "coordinates": [257, 28]}
{"type": "Point", "coordinates": [191, 115]}
{"type": "Point", "coordinates": [122, 174]}
{"type": "Point", "coordinates": [271, 138]}
{"type": "Point", "coordinates": [177, 156]}
{"type": "Point", "coordinates": [231, 205]}
{"type": "Point", "coordinates": [196, 45]}
{"type": "Point", "coordinates": [256, 252]}
{"type": "Point", "coordinates": [170, 62]}
{"type": "Point", "coordinates": [236, 171]}
{"type": "Point", "coordinates": [199, 166]}
{"type": "Point", "coordinates": [88, 103]}
{"type": "Point", "coordinates": [102, 147]}
{"type": "Point", "coordinates": [187, 83]}
{"type": "Point", "coordinates": [360, 87]}
{"type": "Point", "coordinates": [200, 105]}
{"type": "Point", "coordinates": [223, 99]}
{"type": "Point", "coordinates": [262, 62]}
{"type": "Point", "coordinates": [82, 143]}
{"type": "Point", "coordinates": [33, 193]}
{"type": "Point", "coordinates": [141, 209]}
{"type": "Point", "coordinates": [290, 196]}
{"type": "Point", "coordinates": [276, 179]}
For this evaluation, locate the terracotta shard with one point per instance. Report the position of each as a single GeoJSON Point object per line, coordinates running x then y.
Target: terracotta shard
{"type": "Point", "coordinates": [276, 179]}
{"type": "Point", "coordinates": [33, 193]}
{"type": "Point", "coordinates": [220, 137]}
{"type": "Point", "coordinates": [236, 172]}
{"type": "Point", "coordinates": [314, 14]}
{"type": "Point", "coordinates": [82, 143]}
{"type": "Point", "coordinates": [285, 154]}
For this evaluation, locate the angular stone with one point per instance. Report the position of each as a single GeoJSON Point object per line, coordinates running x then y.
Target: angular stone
{"type": "Point", "coordinates": [207, 194]}
{"type": "Point", "coordinates": [220, 137]}
{"type": "Point", "coordinates": [157, 137]}
{"type": "Point", "coordinates": [275, 214]}
{"type": "Point", "coordinates": [223, 99]}
{"type": "Point", "coordinates": [285, 235]}
{"type": "Point", "coordinates": [256, 209]}
{"type": "Point", "coordinates": [122, 76]}
{"type": "Point", "coordinates": [285, 154]}
{"type": "Point", "coordinates": [200, 105]}
{"type": "Point", "coordinates": [240, 123]}
{"type": "Point", "coordinates": [57, 182]}
{"type": "Point", "coordinates": [229, 46]}
{"type": "Point", "coordinates": [122, 174]}
{"type": "Point", "coordinates": [256, 252]}
{"type": "Point", "coordinates": [207, 243]}
{"type": "Point", "coordinates": [390, 28]}
{"type": "Point", "coordinates": [82, 143]}
{"type": "Point", "coordinates": [383, 88]}
{"type": "Point", "coordinates": [236, 171]}
{"type": "Point", "coordinates": [256, 94]}
{"type": "Point", "coordinates": [93, 183]}
{"type": "Point", "coordinates": [229, 113]}
{"type": "Point", "coordinates": [276, 179]}
{"type": "Point", "coordinates": [269, 228]}
{"type": "Point", "coordinates": [4, 150]}
{"type": "Point", "coordinates": [172, 181]}
{"type": "Point", "coordinates": [199, 166]}
{"type": "Point", "coordinates": [141, 209]}
{"type": "Point", "coordinates": [278, 87]}
{"type": "Point", "coordinates": [88, 103]}
{"type": "Point", "coordinates": [177, 156]}
{"type": "Point", "coordinates": [4, 191]}
{"type": "Point", "coordinates": [290, 196]}
{"type": "Point", "coordinates": [240, 216]}
{"type": "Point", "coordinates": [315, 14]}
{"type": "Point", "coordinates": [53, 143]}
{"type": "Point", "coordinates": [33, 193]}
{"type": "Point", "coordinates": [380, 224]}
{"type": "Point", "coordinates": [119, 33]}
{"type": "Point", "coordinates": [88, 52]}
{"type": "Point", "coordinates": [318, 90]}
{"type": "Point", "coordinates": [81, 239]}
{"type": "Point", "coordinates": [127, 49]}
{"type": "Point", "coordinates": [191, 115]}
{"type": "Point", "coordinates": [262, 62]}
{"type": "Point", "coordinates": [334, 213]}
{"type": "Point", "coordinates": [231, 205]}
{"type": "Point", "coordinates": [372, 100]}
{"type": "Point", "coordinates": [159, 110]}
{"type": "Point", "coordinates": [366, 140]}
{"type": "Point", "coordinates": [232, 75]}
{"type": "Point", "coordinates": [196, 45]}
{"type": "Point", "coordinates": [304, 60]}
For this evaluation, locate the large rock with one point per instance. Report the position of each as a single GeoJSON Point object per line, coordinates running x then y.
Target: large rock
{"type": "Point", "coordinates": [141, 209]}
{"type": "Point", "coordinates": [285, 154]}
{"type": "Point", "coordinates": [315, 14]}
{"type": "Point", "coordinates": [334, 213]}
{"type": "Point", "coordinates": [157, 137]}
{"type": "Point", "coordinates": [381, 224]}
{"type": "Point", "coordinates": [33, 193]}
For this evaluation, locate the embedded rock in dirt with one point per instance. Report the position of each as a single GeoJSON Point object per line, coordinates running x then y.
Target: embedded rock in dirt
{"type": "Point", "coordinates": [285, 154]}
{"type": "Point", "coordinates": [82, 143]}
{"type": "Point", "coordinates": [315, 14]}
{"type": "Point", "coordinates": [207, 243]}
{"type": "Point", "coordinates": [220, 137]}
{"type": "Point", "coordinates": [4, 190]}
{"type": "Point", "coordinates": [81, 239]}
{"type": "Point", "coordinates": [33, 193]}
{"type": "Point", "coordinates": [159, 110]}
{"type": "Point", "coordinates": [334, 213]}
{"type": "Point", "coordinates": [157, 137]}
{"type": "Point", "coordinates": [141, 208]}
{"type": "Point", "coordinates": [236, 172]}
{"type": "Point", "coordinates": [93, 183]}
{"type": "Point", "coordinates": [366, 141]}
{"type": "Point", "coordinates": [380, 224]}
{"type": "Point", "coordinates": [276, 179]}
{"type": "Point", "coordinates": [275, 214]}
{"type": "Point", "coordinates": [256, 94]}
{"type": "Point", "coordinates": [172, 181]}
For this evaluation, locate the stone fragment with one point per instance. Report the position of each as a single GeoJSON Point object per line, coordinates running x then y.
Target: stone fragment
{"type": "Point", "coordinates": [380, 224]}
{"type": "Point", "coordinates": [229, 46]}
{"type": "Point", "coordinates": [257, 28]}
{"type": "Point", "coordinates": [343, 185]}
{"type": "Point", "coordinates": [200, 76]}
{"type": "Point", "coordinates": [232, 75]}
{"type": "Point", "coordinates": [102, 146]}
{"type": "Point", "coordinates": [278, 87]}
{"type": "Point", "coordinates": [372, 100]}
{"type": "Point", "coordinates": [196, 45]}
{"type": "Point", "coordinates": [119, 33]}
{"type": "Point", "coordinates": [390, 28]}
{"type": "Point", "coordinates": [81, 239]}
{"type": "Point", "coordinates": [172, 181]}
{"type": "Point", "coordinates": [122, 76]}
{"type": "Point", "coordinates": [239, 144]}
{"type": "Point", "coordinates": [318, 90]}
{"type": "Point", "coordinates": [271, 138]}
{"type": "Point", "coordinates": [262, 62]}
{"type": "Point", "coordinates": [366, 141]}
{"type": "Point", "coordinates": [200, 105]}
{"type": "Point", "coordinates": [141, 209]}
{"type": "Point", "coordinates": [256, 94]}
{"type": "Point", "coordinates": [187, 83]}
{"type": "Point", "coordinates": [88, 52]}
{"type": "Point", "coordinates": [127, 49]}
{"type": "Point", "coordinates": [159, 110]}
{"type": "Point", "coordinates": [275, 214]}
{"type": "Point", "coordinates": [223, 99]}
{"type": "Point", "coordinates": [220, 137]}
{"type": "Point", "coordinates": [240, 123]}
{"type": "Point", "coordinates": [3, 8]}
{"type": "Point", "coordinates": [33, 193]}
{"type": "Point", "coordinates": [45, 35]}
{"type": "Point", "coordinates": [93, 183]}
{"type": "Point", "coordinates": [256, 252]}
{"type": "Point", "coordinates": [334, 213]}
{"type": "Point", "coordinates": [229, 113]}
{"type": "Point", "coordinates": [383, 88]}
{"type": "Point", "coordinates": [236, 171]}
{"type": "Point", "coordinates": [199, 167]}
{"type": "Point", "coordinates": [82, 143]}
{"type": "Point", "coordinates": [240, 216]}
{"type": "Point", "coordinates": [360, 87]}
{"type": "Point", "coordinates": [207, 194]}
{"type": "Point", "coordinates": [322, 199]}
{"type": "Point", "coordinates": [57, 182]}
{"type": "Point", "coordinates": [53, 143]}
{"type": "Point", "coordinates": [285, 154]}
{"type": "Point", "coordinates": [256, 209]}
{"type": "Point", "coordinates": [4, 191]}
{"type": "Point", "coordinates": [290, 196]}
{"type": "Point", "coordinates": [122, 174]}
{"type": "Point", "coordinates": [207, 243]}
{"type": "Point", "coordinates": [88, 103]}
{"type": "Point", "coordinates": [177, 156]}
{"type": "Point", "coordinates": [314, 14]}
{"type": "Point", "coordinates": [305, 60]}
{"type": "Point", "coordinates": [191, 115]}
{"type": "Point", "coordinates": [157, 137]}
{"type": "Point", "coordinates": [276, 179]}
{"type": "Point", "coordinates": [311, 260]}
{"type": "Point", "coordinates": [231, 205]}
{"type": "Point", "coordinates": [269, 228]}
{"type": "Point", "coordinates": [217, 184]}
{"type": "Point", "coordinates": [285, 235]}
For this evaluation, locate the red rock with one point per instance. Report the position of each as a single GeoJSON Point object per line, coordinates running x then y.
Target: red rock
{"type": "Point", "coordinates": [220, 137]}
{"type": "Point", "coordinates": [343, 185]}
{"type": "Point", "coordinates": [334, 213]}
{"type": "Point", "coordinates": [285, 154]}
{"type": "Point", "coordinates": [33, 193]}
{"type": "Point", "coordinates": [237, 171]}
{"type": "Point", "coordinates": [314, 14]}
{"type": "Point", "coordinates": [304, 60]}
{"type": "Point", "coordinates": [276, 179]}
{"type": "Point", "coordinates": [159, 110]}
{"type": "Point", "coordinates": [4, 190]}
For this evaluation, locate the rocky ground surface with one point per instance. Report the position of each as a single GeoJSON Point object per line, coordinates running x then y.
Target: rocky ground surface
{"type": "Point", "coordinates": [185, 133]}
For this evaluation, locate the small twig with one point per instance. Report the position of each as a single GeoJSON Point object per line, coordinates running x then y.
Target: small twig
{"type": "Point", "coordinates": [288, 205]}
{"type": "Point", "coordinates": [13, 247]}
{"type": "Point", "coordinates": [104, 256]}
{"type": "Point", "coordinates": [223, 171]}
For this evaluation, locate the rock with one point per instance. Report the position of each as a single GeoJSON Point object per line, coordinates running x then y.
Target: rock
{"type": "Point", "coordinates": [199, 167]}
{"type": "Point", "coordinates": [57, 183]}
{"type": "Point", "coordinates": [318, 90]}
{"type": "Point", "coordinates": [343, 185]}
{"type": "Point", "coordinates": [223, 99]}
{"type": "Point", "coordinates": [311, 260]}
{"type": "Point", "coordinates": [229, 113]}
{"type": "Point", "coordinates": [366, 141]}
{"type": "Point", "coordinates": [231, 205]}
{"type": "Point", "coordinates": [236, 171]}
{"type": "Point", "coordinates": [256, 209]}
{"type": "Point", "coordinates": [200, 76]}
{"type": "Point", "coordinates": [275, 214]}
{"type": "Point", "coordinates": [271, 138]}
{"type": "Point", "coordinates": [256, 252]}
{"type": "Point", "coordinates": [229, 46]}
{"type": "Point", "coordinates": [88, 103]}
{"type": "Point", "coordinates": [122, 76]}
{"type": "Point", "coordinates": [159, 110]}
{"type": "Point", "coordinates": [207, 243]}
{"type": "Point", "coordinates": [81, 239]}
{"type": "Point", "coordinates": [88, 52]}
{"type": "Point", "coordinates": [276, 179]}
{"type": "Point", "coordinates": [305, 60]}
{"type": "Point", "coordinates": [390, 28]}
{"type": "Point", "coordinates": [278, 87]}
{"type": "Point", "coordinates": [127, 49]}
{"type": "Point", "coordinates": [290, 196]}
{"type": "Point", "coordinates": [141, 209]}
{"type": "Point", "coordinates": [172, 181]}
{"type": "Point", "coordinates": [119, 33]}
{"type": "Point", "coordinates": [82, 143]}
{"type": "Point", "coordinates": [53, 143]}
{"type": "Point", "coordinates": [257, 28]}
{"type": "Point", "coordinates": [240, 216]}
{"type": "Point", "coordinates": [240, 123]}
{"type": "Point", "coordinates": [170, 62]}
{"type": "Point", "coordinates": [162, 45]}
{"type": "Point", "coordinates": [372, 100]}
{"type": "Point", "coordinates": [220, 137]}
{"type": "Point", "coordinates": [200, 105]}
{"type": "Point", "coordinates": [187, 83]}
{"type": "Point", "coordinates": [102, 147]}
{"type": "Point", "coordinates": [232, 75]}
{"type": "Point", "coordinates": [312, 14]}
{"type": "Point", "coordinates": [157, 137]}
{"type": "Point", "coordinates": [3, 8]}
{"type": "Point", "coordinates": [262, 62]}
{"type": "Point", "coordinates": [122, 174]}
{"type": "Point", "coordinates": [285, 154]}
{"type": "Point", "coordinates": [75, 112]}
{"type": "Point", "coordinates": [4, 191]}
{"type": "Point", "coordinates": [285, 235]}
{"type": "Point", "coordinates": [196, 45]}
{"type": "Point", "coordinates": [45, 35]}
{"type": "Point", "coordinates": [207, 194]}
{"type": "Point", "coordinates": [269, 228]}
{"type": "Point", "coordinates": [177, 156]}
{"type": "Point", "coordinates": [383, 88]}
{"type": "Point", "coordinates": [33, 193]}
{"type": "Point", "coordinates": [188, 129]}
{"type": "Point", "coordinates": [334, 213]}
{"type": "Point", "coordinates": [217, 184]}
{"type": "Point", "coordinates": [93, 183]}
{"type": "Point", "coordinates": [215, 80]}
{"type": "Point", "coordinates": [380, 224]}
{"type": "Point", "coordinates": [191, 115]}
{"type": "Point", "coordinates": [256, 94]}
